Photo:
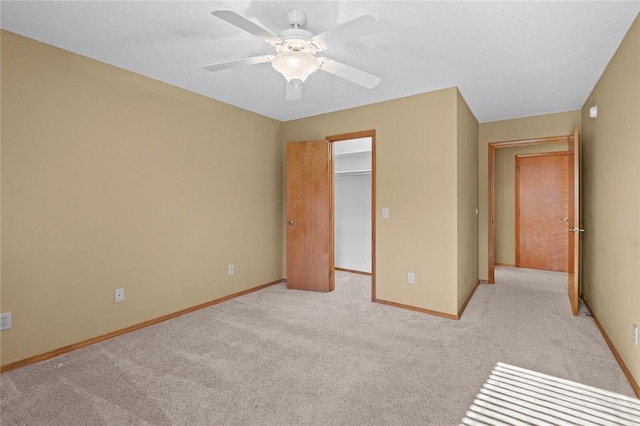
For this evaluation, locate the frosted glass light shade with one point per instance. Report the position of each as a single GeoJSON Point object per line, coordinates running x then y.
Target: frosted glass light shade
{"type": "Point", "coordinates": [295, 65]}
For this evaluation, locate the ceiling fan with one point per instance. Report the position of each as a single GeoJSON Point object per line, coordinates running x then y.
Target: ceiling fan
{"type": "Point", "coordinates": [296, 49]}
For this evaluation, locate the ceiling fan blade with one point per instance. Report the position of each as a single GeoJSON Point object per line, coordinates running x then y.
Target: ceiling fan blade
{"type": "Point", "coordinates": [294, 92]}
{"type": "Point", "coordinates": [238, 63]}
{"type": "Point", "coordinates": [356, 28]}
{"type": "Point", "coordinates": [349, 73]}
{"type": "Point", "coordinates": [243, 23]}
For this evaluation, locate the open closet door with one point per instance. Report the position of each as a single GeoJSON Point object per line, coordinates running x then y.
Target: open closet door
{"type": "Point", "coordinates": [574, 220]}
{"type": "Point", "coordinates": [309, 221]}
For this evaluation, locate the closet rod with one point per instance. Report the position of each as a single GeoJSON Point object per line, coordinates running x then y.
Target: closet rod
{"type": "Point", "coordinates": [353, 173]}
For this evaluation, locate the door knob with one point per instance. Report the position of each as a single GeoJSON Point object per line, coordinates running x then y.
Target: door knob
{"type": "Point", "coordinates": [291, 223]}
{"type": "Point", "coordinates": [575, 230]}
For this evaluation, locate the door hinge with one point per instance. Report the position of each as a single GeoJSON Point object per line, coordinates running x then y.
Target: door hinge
{"type": "Point", "coordinates": [329, 215]}
{"type": "Point", "coordinates": [329, 274]}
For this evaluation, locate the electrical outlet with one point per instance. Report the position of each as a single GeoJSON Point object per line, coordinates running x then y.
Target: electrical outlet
{"type": "Point", "coordinates": [634, 329]}
{"type": "Point", "coordinates": [230, 269]}
{"type": "Point", "coordinates": [411, 278]}
{"type": "Point", "coordinates": [119, 295]}
{"type": "Point", "coordinates": [5, 321]}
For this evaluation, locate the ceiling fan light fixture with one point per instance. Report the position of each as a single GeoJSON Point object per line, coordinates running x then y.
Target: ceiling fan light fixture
{"type": "Point", "coordinates": [295, 65]}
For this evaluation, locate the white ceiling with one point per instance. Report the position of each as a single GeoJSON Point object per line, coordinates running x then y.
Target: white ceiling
{"type": "Point", "coordinates": [509, 59]}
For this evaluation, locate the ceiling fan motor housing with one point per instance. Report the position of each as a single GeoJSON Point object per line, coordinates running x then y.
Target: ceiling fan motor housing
{"type": "Point", "coordinates": [296, 39]}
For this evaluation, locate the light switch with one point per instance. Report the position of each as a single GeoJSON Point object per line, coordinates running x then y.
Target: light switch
{"type": "Point", "coordinates": [385, 213]}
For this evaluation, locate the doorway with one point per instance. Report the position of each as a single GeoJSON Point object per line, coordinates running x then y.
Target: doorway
{"type": "Point", "coordinates": [496, 148]}
{"type": "Point", "coordinates": [352, 205]}
{"type": "Point", "coordinates": [572, 221]}
{"type": "Point", "coordinates": [353, 199]}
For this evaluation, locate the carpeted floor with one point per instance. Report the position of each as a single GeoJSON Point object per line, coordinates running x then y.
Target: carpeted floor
{"type": "Point", "coordinates": [286, 357]}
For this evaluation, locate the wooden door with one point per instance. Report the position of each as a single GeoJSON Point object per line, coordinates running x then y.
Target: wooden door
{"type": "Point", "coordinates": [309, 222]}
{"type": "Point", "coordinates": [541, 211]}
{"type": "Point", "coordinates": [574, 230]}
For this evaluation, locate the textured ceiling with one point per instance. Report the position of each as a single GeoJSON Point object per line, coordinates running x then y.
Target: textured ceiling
{"type": "Point", "coordinates": [509, 59]}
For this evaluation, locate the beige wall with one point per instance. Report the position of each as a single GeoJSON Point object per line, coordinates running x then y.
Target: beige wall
{"type": "Point", "coordinates": [611, 207]}
{"type": "Point", "coordinates": [540, 126]}
{"type": "Point", "coordinates": [467, 166]}
{"type": "Point", "coordinates": [416, 156]}
{"type": "Point", "coordinates": [505, 200]}
{"type": "Point", "coordinates": [109, 180]}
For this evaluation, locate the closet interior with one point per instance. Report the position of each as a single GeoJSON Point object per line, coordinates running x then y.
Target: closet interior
{"type": "Point", "coordinates": [352, 204]}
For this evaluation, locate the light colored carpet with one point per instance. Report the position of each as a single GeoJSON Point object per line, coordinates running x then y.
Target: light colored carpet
{"type": "Point", "coordinates": [286, 357]}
